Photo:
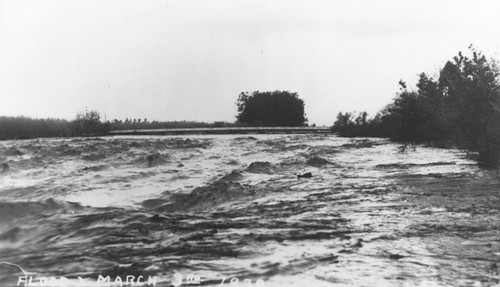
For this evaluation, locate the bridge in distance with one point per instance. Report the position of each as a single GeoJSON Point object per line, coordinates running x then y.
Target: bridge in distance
{"type": "Point", "coordinates": [226, 130]}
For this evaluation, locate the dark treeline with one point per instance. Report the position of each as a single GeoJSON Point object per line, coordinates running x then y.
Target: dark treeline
{"type": "Point", "coordinates": [459, 108]}
{"type": "Point", "coordinates": [23, 128]}
{"type": "Point", "coordinates": [87, 124]}
{"type": "Point", "coordinates": [140, 124]}
{"type": "Point", "coordinates": [277, 108]}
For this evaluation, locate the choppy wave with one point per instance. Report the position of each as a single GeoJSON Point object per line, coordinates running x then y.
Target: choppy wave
{"type": "Point", "coordinates": [243, 207]}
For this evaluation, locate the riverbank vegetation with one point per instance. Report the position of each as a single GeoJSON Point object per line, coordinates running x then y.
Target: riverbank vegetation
{"type": "Point", "coordinates": [24, 128]}
{"type": "Point", "coordinates": [85, 124]}
{"type": "Point", "coordinates": [89, 124]}
{"type": "Point", "coordinates": [458, 108]}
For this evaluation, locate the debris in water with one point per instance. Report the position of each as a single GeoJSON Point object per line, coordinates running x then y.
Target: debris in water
{"type": "Point", "coordinates": [95, 168]}
{"type": "Point", "coordinates": [396, 256]}
{"type": "Point", "coordinates": [331, 258]}
{"type": "Point", "coordinates": [305, 175]}
{"type": "Point", "coordinates": [358, 244]}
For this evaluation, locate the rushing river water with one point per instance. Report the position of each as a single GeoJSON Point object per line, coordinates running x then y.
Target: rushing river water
{"type": "Point", "coordinates": [275, 210]}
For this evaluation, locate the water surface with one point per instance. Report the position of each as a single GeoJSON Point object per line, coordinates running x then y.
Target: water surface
{"type": "Point", "coordinates": [231, 206]}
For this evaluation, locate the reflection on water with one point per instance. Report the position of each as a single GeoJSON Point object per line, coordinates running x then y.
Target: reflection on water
{"type": "Point", "coordinates": [234, 207]}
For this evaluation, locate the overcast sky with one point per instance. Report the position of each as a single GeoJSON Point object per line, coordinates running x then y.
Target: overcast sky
{"type": "Point", "coordinates": [190, 59]}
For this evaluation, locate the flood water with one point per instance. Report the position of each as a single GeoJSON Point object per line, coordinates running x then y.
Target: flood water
{"type": "Point", "coordinates": [274, 210]}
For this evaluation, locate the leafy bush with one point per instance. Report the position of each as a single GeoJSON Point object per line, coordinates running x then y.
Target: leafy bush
{"type": "Point", "coordinates": [347, 125]}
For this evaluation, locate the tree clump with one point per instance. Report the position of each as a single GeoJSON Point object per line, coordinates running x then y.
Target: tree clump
{"type": "Point", "coordinates": [278, 108]}
{"type": "Point", "coordinates": [89, 124]}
